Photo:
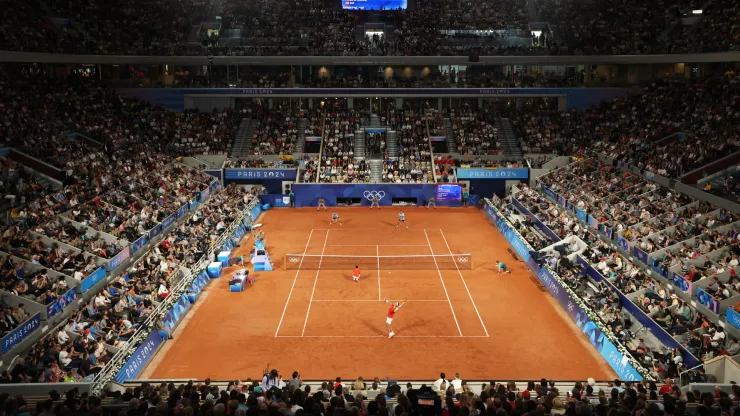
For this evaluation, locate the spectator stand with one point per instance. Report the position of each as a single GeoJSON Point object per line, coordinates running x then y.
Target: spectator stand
{"type": "Point", "coordinates": [89, 239]}
{"type": "Point", "coordinates": [651, 271]}
{"type": "Point", "coordinates": [144, 343]}
{"type": "Point", "coordinates": [94, 304]}
{"type": "Point", "coordinates": [637, 319]}
{"type": "Point", "coordinates": [599, 334]}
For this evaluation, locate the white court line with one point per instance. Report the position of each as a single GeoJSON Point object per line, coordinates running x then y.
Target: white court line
{"type": "Point", "coordinates": [368, 228]}
{"type": "Point", "coordinates": [377, 252]}
{"type": "Point", "coordinates": [465, 284]}
{"type": "Point", "coordinates": [293, 285]}
{"type": "Point", "coordinates": [379, 300]}
{"type": "Point", "coordinates": [318, 269]}
{"type": "Point", "coordinates": [376, 245]}
{"type": "Point", "coordinates": [382, 336]}
{"type": "Point", "coordinates": [443, 283]}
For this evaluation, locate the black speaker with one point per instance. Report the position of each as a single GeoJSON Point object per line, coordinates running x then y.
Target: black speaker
{"type": "Point", "coordinates": [474, 58]}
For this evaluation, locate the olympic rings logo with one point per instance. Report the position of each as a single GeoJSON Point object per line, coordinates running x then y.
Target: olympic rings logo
{"type": "Point", "coordinates": [293, 259]}
{"type": "Point", "coordinates": [462, 259]}
{"type": "Point", "coordinates": [370, 195]}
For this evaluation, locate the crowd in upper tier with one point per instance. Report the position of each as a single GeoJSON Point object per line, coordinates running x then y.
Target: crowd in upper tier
{"type": "Point", "coordinates": [315, 27]}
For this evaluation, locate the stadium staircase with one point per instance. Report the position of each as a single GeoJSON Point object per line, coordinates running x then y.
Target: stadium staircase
{"type": "Point", "coordinates": [376, 170]}
{"type": "Point", "coordinates": [300, 143]}
{"type": "Point", "coordinates": [375, 121]}
{"type": "Point", "coordinates": [242, 143]}
{"type": "Point", "coordinates": [359, 144]}
{"type": "Point", "coordinates": [450, 135]}
{"type": "Point", "coordinates": [511, 147]}
{"type": "Point", "coordinates": [392, 143]}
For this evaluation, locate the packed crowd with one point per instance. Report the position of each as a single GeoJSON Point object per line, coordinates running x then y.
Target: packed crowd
{"type": "Point", "coordinates": [338, 163]}
{"type": "Point", "coordinates": [693, 239]}
{"type": "Point", "coordinates": [276, 132]}
{"type": "Point", "coordinates": [413, 162]}
{"type": "Point", "coordinates": [103, 325]}
{"type": "Point", "coordinates": [475, 131]}
{"type": "Point", "coordinates": [434, 27]}
{"type": "Point", "coordinates": [446, 396]}
{"type": "Point", "coordinates": [698, 113]}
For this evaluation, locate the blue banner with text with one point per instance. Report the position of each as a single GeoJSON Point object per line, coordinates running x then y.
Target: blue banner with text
{"type": "Point", "coordinates": [20, 333]}
{"type": "Point", "coordinates": [284, 174]}
{"type": "Point", "coordinates": [482, 173]}
{"type": "Point", "coordinates": [92, 279]}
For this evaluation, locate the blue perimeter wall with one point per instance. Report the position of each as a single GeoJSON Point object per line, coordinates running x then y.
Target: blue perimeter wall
{"type": "Point", "coordinates": [307, 195]}
{"type": "Point", "coordinates": [174, 98]}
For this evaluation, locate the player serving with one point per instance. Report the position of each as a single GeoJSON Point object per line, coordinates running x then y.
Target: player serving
{"type": "Point", "coordinates": [395, 306]}
{"type": "Point", "coordinates": [402, 220]}
{"type": "Point", "coordinates": [335, 218]}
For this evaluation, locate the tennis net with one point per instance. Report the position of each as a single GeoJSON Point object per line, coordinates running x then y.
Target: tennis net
{"type": "Point", "coordinates": [346, 262]}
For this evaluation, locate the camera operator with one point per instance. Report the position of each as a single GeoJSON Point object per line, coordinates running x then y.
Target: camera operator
{"type": "Point", "coordinates": [424, 402]}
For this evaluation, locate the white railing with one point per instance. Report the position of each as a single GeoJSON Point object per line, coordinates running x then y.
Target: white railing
{"type": "Point", "coordinates": [119, 359]}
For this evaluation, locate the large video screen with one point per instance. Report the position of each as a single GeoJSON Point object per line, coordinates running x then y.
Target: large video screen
{"type": "Point", "coordinates": [449, 192]}
{"type": "Point", "coordinates": [374, 4]}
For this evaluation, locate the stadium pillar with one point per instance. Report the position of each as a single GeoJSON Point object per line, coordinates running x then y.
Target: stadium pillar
{"type": "Point", "coordinates": [439, 103]}
{"type": "Point", "coordinates": [519, 103]}
{"type": "Point", "coordinates": [562, 104]}
{"type": "Point", "coordinates": [399, 103]}
{"type": "Point", "coordinates": [350, 102]}
{"type": "Point", "coordinates": [269, 103]}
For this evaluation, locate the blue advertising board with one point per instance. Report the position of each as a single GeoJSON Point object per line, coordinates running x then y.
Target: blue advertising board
{"type": "Point", "coordinates": [182, 210]}
{"type": "Point", "coordinates": [681, 283]}
{"type": "Point", "coordinates": [154, 232]}
{"type": "Point", "coordinates": [307, 195]}
{"type": "Point", "coordinates": [593, 222]}
{"type": "Point", "coordinates": [707, 300]}
{"type": "Point", "coordinates": [581, 214]}
{"type": "Point", "coordinates": [640, 255]}
{"type": "Point", "coordinates": [174, 315]}
{"type": "Point", "coordinates": [138, 244]}
{"type": "Point", "coordinates": [61, 303]}
{"type": "Point", "coordinates": [624, 243]}
{"type": "Point", "coordinates": [119, 258]}
{"type": "Point", "coordinates": [733, 318]}
{"type": "Point", "coordinates": [550, 193]}
{"type": "Point", "coordinates": [140, 358]}
{"type": "Point", "coordinates": [199, 283]}
{"type": "Point", "coordinates": [275, 200]}
{"type": "Point", "coordinates": [482, 173]}
{"type": "Point", "coordinates": [618, 362]}
{"type": "Point", "coordinates": [168, 221]}
{"type": "Point", "coordinates": [92, 279]}
{"type": "Point", "coordinates": [20, 333]}
{"type": "Point", "coordinates": [284, 174]}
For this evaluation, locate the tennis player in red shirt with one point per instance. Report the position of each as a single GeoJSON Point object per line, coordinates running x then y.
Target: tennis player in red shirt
{"type": "Point", "coordinates": [356, 274]}
{"type": "Point", "coordinates": [395, 306]}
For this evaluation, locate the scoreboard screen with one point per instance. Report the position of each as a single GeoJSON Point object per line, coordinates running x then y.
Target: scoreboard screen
{"type": "Point", "coordinates": [449, 192]}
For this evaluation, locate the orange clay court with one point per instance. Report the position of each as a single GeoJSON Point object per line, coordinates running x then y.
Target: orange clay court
{"type": "Point", "coordinates": [476, 322]}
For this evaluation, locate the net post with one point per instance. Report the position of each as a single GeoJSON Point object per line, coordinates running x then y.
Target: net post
{"type": "Point", "coordinates": [285, 261]}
